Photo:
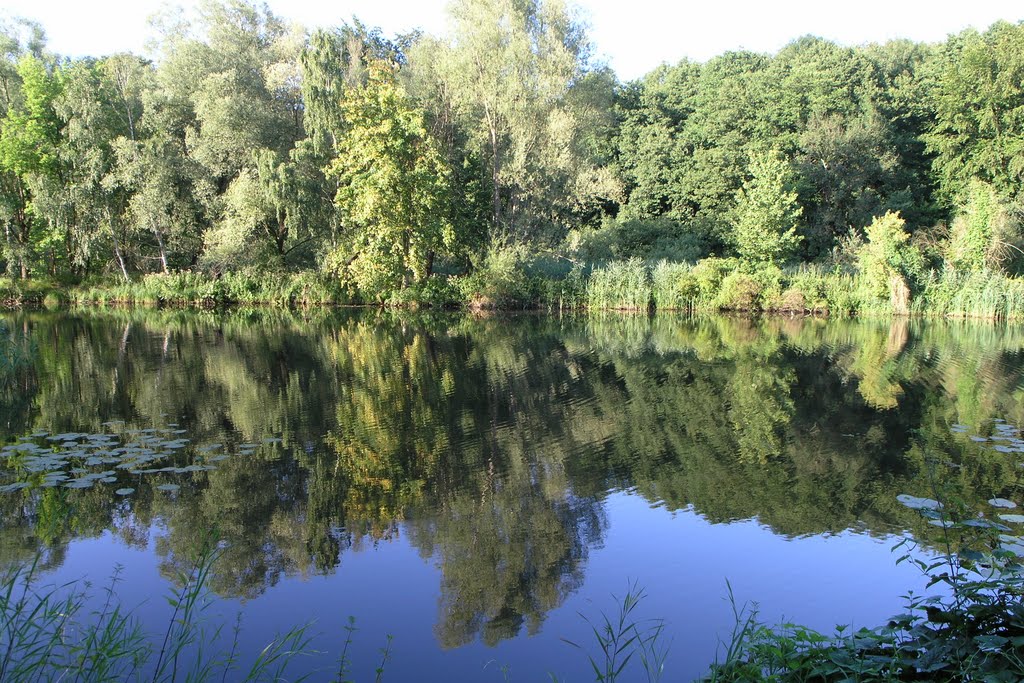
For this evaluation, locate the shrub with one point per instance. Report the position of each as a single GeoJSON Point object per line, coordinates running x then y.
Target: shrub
{"type": "Point", "coordinates": [740, 292]}
{"type": "Point", "coordinates": [499, 280]}
{"type": "Point", "coordinates": [888, 263]}
{"type": "Point", "coordinates": [984, 235]}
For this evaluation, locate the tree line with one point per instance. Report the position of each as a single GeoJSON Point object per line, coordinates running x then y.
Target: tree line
{"type": "Point", "coordinates": [244, 142]}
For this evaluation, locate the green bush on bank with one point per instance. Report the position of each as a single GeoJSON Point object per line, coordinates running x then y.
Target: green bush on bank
{"type": "Point", "coordinates": [33, 292]}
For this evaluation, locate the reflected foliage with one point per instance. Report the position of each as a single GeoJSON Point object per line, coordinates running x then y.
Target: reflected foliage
{"type": "Point", "coordinates": [491, 443]}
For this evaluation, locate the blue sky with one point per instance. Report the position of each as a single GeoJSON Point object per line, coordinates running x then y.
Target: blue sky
{"type": "Point", "coordinates": [633, 36]}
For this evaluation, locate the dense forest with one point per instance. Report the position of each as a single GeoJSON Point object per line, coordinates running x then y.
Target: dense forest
{"type": "Point", "coordinates": [504, 165]}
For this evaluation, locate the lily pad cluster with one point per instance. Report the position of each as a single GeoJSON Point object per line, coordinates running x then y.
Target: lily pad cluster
{"type": "Point", "coordinates": [1006, 437]}
{"type": "Point", "coordinates": [76, 460]}
{"type": "Point", "coordinates": [998, 519]}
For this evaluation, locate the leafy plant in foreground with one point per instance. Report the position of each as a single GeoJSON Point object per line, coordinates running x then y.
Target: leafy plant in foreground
{"type": "Point", "coordinates": [973, 630]}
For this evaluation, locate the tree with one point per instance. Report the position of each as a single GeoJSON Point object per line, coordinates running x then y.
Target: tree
{"type": "Point", "coordinates": [765, 219]}
{"type": "Point", "coordinates": [392, 187]}
{"type": "Point", "coordinates": [985, 234]}
{"type": "Point", "coordinates": [888, 263]}
{"type": "Point", "coordinates": [978, 130]}
{"type": "Point", "coordinates": [517, 76]}
{"type": "Point", "coordinates": [29, 143]}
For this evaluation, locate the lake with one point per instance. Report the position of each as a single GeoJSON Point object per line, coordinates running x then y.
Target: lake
{"type": "Point", "coordinates": [479, 487]}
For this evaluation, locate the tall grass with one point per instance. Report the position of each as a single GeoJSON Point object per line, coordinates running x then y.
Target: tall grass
{"type": "Point", "coordinates": [981, 294]}
{"type": "Point", "coordinates": [621, 637]}
{"type": "Point", "coordinates": [46, 634]}
{"type": "Point", "coordinates": [188, 288]}
{"type": "Point", "coordinates": [620, 285]}
{"type": "Point", "coordinates": [510, 278]}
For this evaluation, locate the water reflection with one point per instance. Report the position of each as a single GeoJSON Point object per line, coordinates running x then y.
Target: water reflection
{"type": "Point", "coordinates": [491, 443]}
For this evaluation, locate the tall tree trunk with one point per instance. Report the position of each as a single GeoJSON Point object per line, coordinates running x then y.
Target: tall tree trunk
{"type": "Point", "coordinates": [163, 251]}
{"type": "Point", "coordinates": [405, 259]}
{"type": "Point", "coordinates": [120, 260]}
{"type": "Point", "coordinates": [492, 129]}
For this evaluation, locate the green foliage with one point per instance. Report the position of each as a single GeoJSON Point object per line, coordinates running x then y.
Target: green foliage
{"type": "Point", "coordinates": [250, 143]}
{"type": "Point", "coordinates": [499, 280]}
{"type": "Point", "coordinates": [622, 285]}
{"type": "Point", "coordinates": [984, 294]}
{"type": "Point", "coordinates": [984, 235]}
{"type": "Point", "coordinates": [978, 109]}
{"type": "Point", "coordinates": [765, 220]}
{"type": "Point", "coordinates": [887, 259]}
{"type": "Point", "coordinates": [186, 288]}
{"type": "Point", "coordinates": [673, 286]}
{"type": "Point", "coordinates": [624, 636]}
{"type": "Point", "coordinates": [393, 187]}
{"type": "Point", "coordinates": [750, 290]}
{"type": "Point", "coordinates": [516, 77]}
{"type": "Point", "coordinates": [652, 240]}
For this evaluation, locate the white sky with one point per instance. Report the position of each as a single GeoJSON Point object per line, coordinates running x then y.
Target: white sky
{"type": "Point", "coordinates": [633, 36]}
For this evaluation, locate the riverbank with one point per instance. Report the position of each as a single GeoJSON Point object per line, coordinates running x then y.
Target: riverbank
{"type": "Point", "coordinates": [708, 286]}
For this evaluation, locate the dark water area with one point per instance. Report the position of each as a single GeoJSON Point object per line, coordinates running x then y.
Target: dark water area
{"type": "Point", "coordinates": [471, 486]}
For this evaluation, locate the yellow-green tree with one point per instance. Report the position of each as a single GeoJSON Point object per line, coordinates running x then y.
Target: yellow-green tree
{"type": "Point", "coordinates": [764, 223]}
{"type": "Point", "coordinates": [393, 186]}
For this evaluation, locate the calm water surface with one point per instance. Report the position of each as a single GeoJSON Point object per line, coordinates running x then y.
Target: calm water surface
{"type": "Point", "coordinates": [472, 486]}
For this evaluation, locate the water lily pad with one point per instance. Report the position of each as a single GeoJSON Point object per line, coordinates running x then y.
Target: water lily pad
{"type": "Point", "coordinates": [125, 491]}
{"type": "Point", "coordinates": [915, 503]}
{"type": "Point", "coordinates": [1013, 519]}
{"type": "Point", "coordinates": [985, 524]}
{"type": "Point", "coordinates": [168, 487]}
{"type": "Point", "coordinates": [1001, 503]}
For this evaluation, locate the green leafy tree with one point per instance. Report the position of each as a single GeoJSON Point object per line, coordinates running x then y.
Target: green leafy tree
{"type": "Point", "coordinates": [888, 262]}
{"type": "Point", "coordinates": [393, 185]}
{"type": "Point", "coordinates": [516, 75]}
{"type": "Point", "coordinates": [985, 234]}
{"type": "Point", "coordinates": [766, 215]}
{"type": "Point", "coordinates": [29, 156]}
{"type": "Point", "coordinates": [978, 129]}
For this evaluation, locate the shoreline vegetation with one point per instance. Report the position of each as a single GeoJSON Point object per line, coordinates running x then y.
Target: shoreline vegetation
{"type": "Point", "coordinates": [709, 286]}
{"type": "Point", "coordinates": [246, 159]}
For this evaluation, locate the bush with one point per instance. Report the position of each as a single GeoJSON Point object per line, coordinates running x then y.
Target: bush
{"type": "Point", "coordinates": [740, 292]}
{"type": "Point", "coordinates": [984, 235]}
{"type": "Point", "coordinates": [435, 292]}
{"type": "Point", "coordinates": [499, 280]}
{"type": "Point", "coordinates": [649, 239]}
{"type": "Point", "coordinates": [708, 276]}
{"type": "Point", "coordinates": [888, 263]}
